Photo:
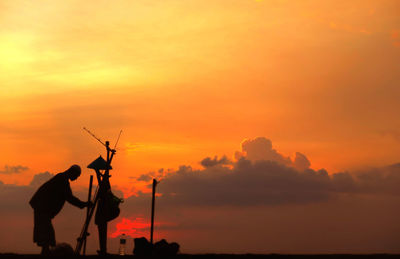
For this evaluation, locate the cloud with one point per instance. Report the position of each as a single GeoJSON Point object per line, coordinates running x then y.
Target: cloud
{"type": "Point", "coordinates": [301, 162]}
{"type": "Point", "coordinates": [260, 148]}
{"type": "Point", "coordinates": [209, 162]}
{"type": "Point", "coordinates": [18, 196]}
{"type": "Point", "coordinates": [247, 184]}
{"type": "Point", "coordinates": [149, 176]}
{"type": "Point", "coordinates": [13, 169]}
{"type": "Point", "coordinates": [383, 180]}
{"type": "Point", "coordinates": [264, 177]}
{"type": "Point", "coordinates": [144, 178]}
{"type": "Point", "coordinates": [40, 178]}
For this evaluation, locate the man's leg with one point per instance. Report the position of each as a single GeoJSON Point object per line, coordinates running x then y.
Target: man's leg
{"type": "Point", "coordinates": [45, 250]}
{"type": "Point", "coordinates": [43, 232]}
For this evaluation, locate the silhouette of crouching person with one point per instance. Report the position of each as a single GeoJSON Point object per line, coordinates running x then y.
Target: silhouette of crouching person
{"type": "Point", "coordinates": [48, 201]}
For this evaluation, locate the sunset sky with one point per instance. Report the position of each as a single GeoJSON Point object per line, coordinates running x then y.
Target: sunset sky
{"type": "Point", "coordinates": [313, 86]}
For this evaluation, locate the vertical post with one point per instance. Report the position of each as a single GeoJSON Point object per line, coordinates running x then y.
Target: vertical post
{"type": "Point", "coordinates": [103, 227]}
{"type": "Point", "coordinates": [152, 210]}
{"type": "Point", "coordinates": [108, 157]}
{"type": "Point", "coordinates": [87, 212]}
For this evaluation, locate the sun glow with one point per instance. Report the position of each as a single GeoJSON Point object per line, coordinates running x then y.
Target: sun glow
{"type": "Point", "coordinates": [137, 227]}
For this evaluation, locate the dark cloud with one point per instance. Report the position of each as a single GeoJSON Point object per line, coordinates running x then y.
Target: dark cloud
{"type": "Point", "coordinates": [17, 169]}
{"type": "Point", "coordinates": [40, 178]}
{"type": "Point", "coordinates": [151, 175]}
{"type": "Point", "coordinates": [264, 183]}
{"type": "Point", "coordinates": [246, 184]}
{"type": "Point", "coordinates": [301, 162]}
{"type": "Point", "coordinates": [261, 149]}
{"type": "Point", "coordinates": [263, 177]}
{"type": "Point", "coordinates": [343, 182]}
{"type": "Point", "coordinates": [16, 197]}
{"type": "Point", "coordinates": [208, 161]}
{"type": "Point", "coordinates": [379, 180]}
{"type": "Point", "coordinates": [260, 183]}
{"type": "Point", "coordinates": [144, 178]}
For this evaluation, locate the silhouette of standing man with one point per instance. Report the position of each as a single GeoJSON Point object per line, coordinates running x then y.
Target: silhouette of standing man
{"type": "Point", "coordinates": [47, 203]}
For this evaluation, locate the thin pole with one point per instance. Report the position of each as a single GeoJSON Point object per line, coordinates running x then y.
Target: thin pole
{"type": "Point", "coordinates": [86, 225]}
{"type": "Point", "coordinates": [152, 210]}
{"type": "Point", "coordinates": [87, 212]}
{"type": "Point", "coordinates": [99, 140]}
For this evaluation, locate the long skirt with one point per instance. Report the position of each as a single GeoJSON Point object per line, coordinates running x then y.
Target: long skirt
{"type": "Point", "coordinates": [43, 231]}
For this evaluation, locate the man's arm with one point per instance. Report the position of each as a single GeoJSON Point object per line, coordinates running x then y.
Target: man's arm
{"type": "Point", "coordinates": [74, 200]}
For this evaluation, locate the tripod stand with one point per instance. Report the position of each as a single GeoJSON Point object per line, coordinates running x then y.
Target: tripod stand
{"type": "Point", "coordinates": [103, 183]}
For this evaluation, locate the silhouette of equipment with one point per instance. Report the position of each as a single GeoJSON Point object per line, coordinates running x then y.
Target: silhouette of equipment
{"type": "Point", "coordinates": [109, 202]}
{"type": "Point", "coordinates": [161, 249]}
{"type": "Point", "coordinates": [87, 212]}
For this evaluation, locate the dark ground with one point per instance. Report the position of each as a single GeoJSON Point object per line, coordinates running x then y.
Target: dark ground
{"type": "Point", "coordinates": [219, 256]}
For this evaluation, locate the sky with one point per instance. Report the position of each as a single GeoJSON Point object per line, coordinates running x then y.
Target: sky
{"type": "Point", "coordinates": [267, 121]}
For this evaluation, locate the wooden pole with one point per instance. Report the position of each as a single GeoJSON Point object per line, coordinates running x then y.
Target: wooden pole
{"type": "Point", "coordinates": [86, 225]}
{"type": "Point", "coordinates": [87, 212]}
{"type": "Point", "coordinates": [152, 210]}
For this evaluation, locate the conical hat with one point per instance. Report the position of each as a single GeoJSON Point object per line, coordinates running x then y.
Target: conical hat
{"type": "Point", "coordinates": [99, 164]}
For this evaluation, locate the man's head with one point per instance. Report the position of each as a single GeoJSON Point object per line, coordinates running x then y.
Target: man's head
{"type": "Point", "coordinates": [74, 172]}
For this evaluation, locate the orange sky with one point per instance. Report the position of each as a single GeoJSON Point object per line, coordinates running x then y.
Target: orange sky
{"type": "Point", "coordinates": [190, 79]}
